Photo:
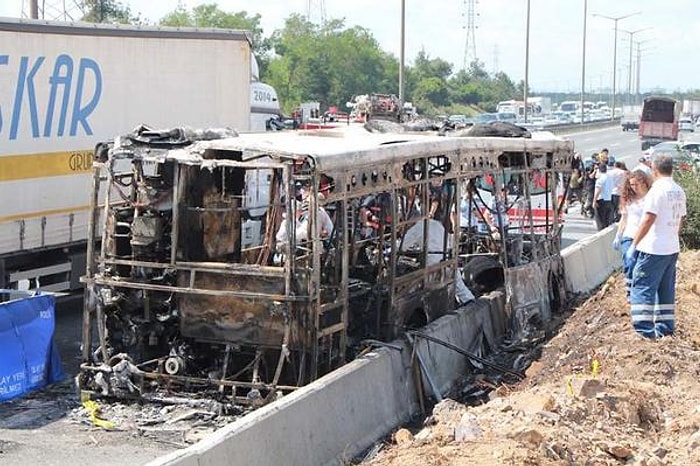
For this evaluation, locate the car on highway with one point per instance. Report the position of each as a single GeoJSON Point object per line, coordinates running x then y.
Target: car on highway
{"type": "Point", "coordinates": [563, 117]}
{"type": "Point", "coordinates": [551, 120]}
{"type": "Point", "coordinates": [682, 157]}
{"type": "Point", "coordinates": [457, 118]}
{"type": "Point", "coordinates": [486, 117]}
{"type": "Point", "coordinates": [508, 117]}
{"type": "Point", "coordinates": [686, 124]}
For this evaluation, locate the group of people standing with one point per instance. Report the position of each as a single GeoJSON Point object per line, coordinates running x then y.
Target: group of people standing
{"type": "Point", "coordinates": [651, 207]}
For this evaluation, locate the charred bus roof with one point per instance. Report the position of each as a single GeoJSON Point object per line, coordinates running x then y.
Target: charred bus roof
{"type": "Point", "coordinates": [336, 150]}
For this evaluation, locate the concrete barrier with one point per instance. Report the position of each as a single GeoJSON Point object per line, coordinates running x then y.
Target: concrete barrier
{"type": "Point", "coordinates": [342, 414]}
{"type": "Point", "coordinates": [575, 270]}
{"type": "Point", "coordinates": [589, 262]}
{"type": "Point", "coordinates": [577, 128]}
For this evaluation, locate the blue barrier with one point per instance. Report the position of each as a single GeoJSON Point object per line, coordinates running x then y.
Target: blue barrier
{"type": "Point", "coordinates": [29, 358]}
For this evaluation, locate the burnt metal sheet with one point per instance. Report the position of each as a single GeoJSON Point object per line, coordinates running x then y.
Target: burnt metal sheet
{"type": "Point", "coordinates": [244, 321]}
{"type": "Point", "coordinates": [528, 299]}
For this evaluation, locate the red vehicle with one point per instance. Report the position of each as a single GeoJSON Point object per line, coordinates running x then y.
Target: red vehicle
{"type": "Point", "coordinates": [385, 107]}
{"type": "Point", "coordinates": [659, 121]}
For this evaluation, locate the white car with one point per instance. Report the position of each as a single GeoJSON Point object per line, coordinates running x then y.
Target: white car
{"type": "Point", "coordinates": [686, 124]}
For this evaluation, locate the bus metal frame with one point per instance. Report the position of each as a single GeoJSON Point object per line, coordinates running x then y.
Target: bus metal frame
{"type": "Point", "coordinates": [179, 297]}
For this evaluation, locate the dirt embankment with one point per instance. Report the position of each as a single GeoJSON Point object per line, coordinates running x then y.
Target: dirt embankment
{"type": "Point", "coordinates": [599, 395]}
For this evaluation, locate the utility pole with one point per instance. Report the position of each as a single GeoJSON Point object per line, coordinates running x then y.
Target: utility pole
{"type": "Point", "coordinates": [527, 62]}
{"type": "Point", "coordinates": [316, 11]}
{"type": "Point", "coordinates": [639, 66]}
{"type": "Point", "coordinates": [34, 9]}
{"type": "Point", "coordinates": [629, 78]}
{"type": "Point", "coordinates": [615, 19]}
{"type": "Point", "coordinates": [470, 40]}
{"type": "Point", "coordinates": [583, 60]}
{"type": "Point", "coordinates": [402, 55]}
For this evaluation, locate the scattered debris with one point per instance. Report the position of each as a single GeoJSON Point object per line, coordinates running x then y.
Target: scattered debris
{"type": "Point", "coordinates": [595, 394]}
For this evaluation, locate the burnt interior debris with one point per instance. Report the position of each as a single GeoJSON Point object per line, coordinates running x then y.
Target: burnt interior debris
{"type": "Point", "coordinates": [244, 272]}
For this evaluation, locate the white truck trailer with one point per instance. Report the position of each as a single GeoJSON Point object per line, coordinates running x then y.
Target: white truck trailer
{"type": "Point", "coordinates": [64, 87]}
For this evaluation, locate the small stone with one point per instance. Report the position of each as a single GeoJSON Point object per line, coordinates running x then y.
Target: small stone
{"type": "Point", "coordinates": [586, 387]}
{"type": "Point", "coordinates": [660, 452]}
{"type": "Point", "coordinates": [694, 441]}
{"type": "Point", "coordinates": [403, 437]}
{"type": "Point", "coordinates": [534, 368]}
{"type": "Point", "coordinates": [553, 418]}
{"type": "Point", "coordinates": [467, 430]}
{"type": "Point", "coordinates": [532, 404]}
{"type": "Point", "coordinates": [423, 435]}
{"type": "Point", "coordinates": [619, 451]}
{"type": "Point", "coordinates": [528, 436]}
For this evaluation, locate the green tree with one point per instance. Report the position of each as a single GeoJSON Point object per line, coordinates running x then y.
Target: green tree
{"type": "Point", "coordinates": [209, 15]}
{"type": "Point", "coordinates": [429, 87]}
{"type": "Point", "coordinates": [327, 63]}
{"type": "Point", "coordinates": [108, 11]}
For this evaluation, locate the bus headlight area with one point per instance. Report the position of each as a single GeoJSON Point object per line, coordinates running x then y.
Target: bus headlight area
{"type": "Point", "coordinates": [247, 266]}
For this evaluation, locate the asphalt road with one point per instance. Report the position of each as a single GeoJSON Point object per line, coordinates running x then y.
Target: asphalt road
{"type": "Point", "coordinates": [625, 146]}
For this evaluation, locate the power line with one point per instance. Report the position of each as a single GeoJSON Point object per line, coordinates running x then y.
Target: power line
{"type": "Point", "coordinates": [496, 54]}
{"type": "Point", "coordinates": [470, 39]}
{"type": "Point", "coordinates": [59, 10]}
{"type": "Point", "coordinates": [316, 11]}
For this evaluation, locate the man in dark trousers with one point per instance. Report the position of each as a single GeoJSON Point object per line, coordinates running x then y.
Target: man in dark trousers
{"type": "Point", "coordinates": [602, 198]}
{"type": "Point", "coordinates": [654, 252]}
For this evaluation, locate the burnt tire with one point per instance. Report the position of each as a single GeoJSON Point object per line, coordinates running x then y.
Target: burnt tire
{"type": "Point", "coordinates": [483, 274]}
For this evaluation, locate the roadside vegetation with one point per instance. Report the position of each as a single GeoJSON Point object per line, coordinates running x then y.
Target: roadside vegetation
{"type": "Point", "coordinates": [330, 63]}
{"type": "Point", "coordinates": [690, 181]}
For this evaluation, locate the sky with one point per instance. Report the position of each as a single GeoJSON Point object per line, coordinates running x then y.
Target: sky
{"type": "Point", "coordinates": [669, 46]}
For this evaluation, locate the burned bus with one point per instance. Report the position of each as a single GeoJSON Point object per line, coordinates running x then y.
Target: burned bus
{"type": "Point", "coordinates": [251, 265]}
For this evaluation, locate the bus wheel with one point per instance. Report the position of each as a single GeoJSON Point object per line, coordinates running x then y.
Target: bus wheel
{"type": "Point", "coordinates": [483, 274]}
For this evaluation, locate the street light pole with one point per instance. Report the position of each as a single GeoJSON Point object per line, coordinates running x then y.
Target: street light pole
{"type": "Point", "coordinates": [629, 78]}
{"type": "Point", "coordinates": [527, 61]}
{"type": "Point", "coordinates": [402, 55]}
{"type": "Point", "coordinates": [639, 64]}
{"type": "Point", "coordinates": [615, 19]}
{"type": "Point", "coordinates": [34, 9]}
{"type": "Point", "coordinates": [583, 60]}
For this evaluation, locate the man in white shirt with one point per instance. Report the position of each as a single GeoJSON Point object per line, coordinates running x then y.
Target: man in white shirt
{"type": "Point", "coordinates": [654, 251]}
{"type": "Point", "coordinates": [617, 177]}
{"type": "Point", "coordinates": [602, 198]}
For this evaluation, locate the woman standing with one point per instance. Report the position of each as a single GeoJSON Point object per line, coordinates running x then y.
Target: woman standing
{"type": "Point", "coordinates": [636, 186]}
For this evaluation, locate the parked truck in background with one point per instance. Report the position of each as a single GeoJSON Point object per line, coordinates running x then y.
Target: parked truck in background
{"type": "Point", "coordinates": [631, 114]}
{"type": "Point", "coordinates": [659, 121]}
{"type": "Point", "coordinates": [540, 105]}
{"type": "Point", "coordinates": [66, 87]}
{"type": "Point", "coordinates": [691, 108]}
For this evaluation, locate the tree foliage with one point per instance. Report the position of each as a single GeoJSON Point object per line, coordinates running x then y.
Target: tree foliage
{"type": "Point", "coordinates": [108, 11]}
{"type": "Point", "coordinates": [209, 15]}
{"type": "Point", "coordinates": [690, 182]}
{"type": "Point", "coordinates": [330, 63]}
{"type": "Point", "coordinates": [327, 63]}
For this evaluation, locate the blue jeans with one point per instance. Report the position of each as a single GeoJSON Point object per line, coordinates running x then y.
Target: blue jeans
{"type": "Point", "coordinates": [627, 266]}
{"type": "Point", "coordinates": [653, 295]}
